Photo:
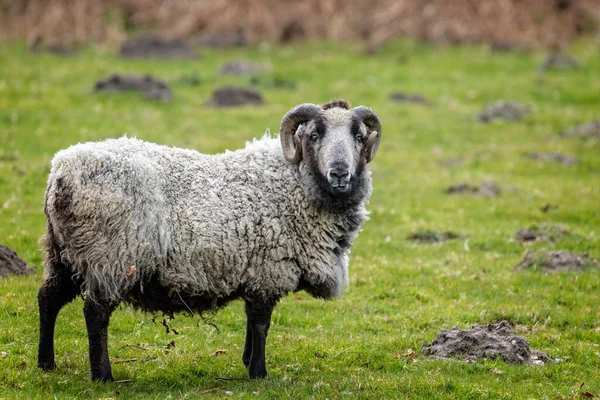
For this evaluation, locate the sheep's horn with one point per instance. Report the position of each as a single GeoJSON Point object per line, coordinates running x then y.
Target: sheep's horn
{"type": "Point", "coordinates": [292, 147]}
{"type": "Point", "coordinates": [373, 123]}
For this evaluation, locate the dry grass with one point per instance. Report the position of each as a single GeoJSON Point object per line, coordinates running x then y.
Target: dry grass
{"type": "Point", "coordinates": [500, 22]}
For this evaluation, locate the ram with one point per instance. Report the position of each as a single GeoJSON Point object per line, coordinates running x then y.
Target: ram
{"type": "Point", "coordinates": [172, 230]}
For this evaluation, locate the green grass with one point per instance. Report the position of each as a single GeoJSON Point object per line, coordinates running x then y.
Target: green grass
{"type": "Point", "coordinates": [401, 294]}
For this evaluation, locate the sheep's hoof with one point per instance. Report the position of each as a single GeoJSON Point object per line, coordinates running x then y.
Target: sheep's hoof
{"type": "Point", "coordinates": [108, 378]}
{"type": "Point", "coordinates": [257, 374]}
{"type": "Point", "coordinates": [47, 365]}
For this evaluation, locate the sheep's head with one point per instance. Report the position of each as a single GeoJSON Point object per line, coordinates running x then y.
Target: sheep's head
{"type": "Point", "coordinates": [334, 141]}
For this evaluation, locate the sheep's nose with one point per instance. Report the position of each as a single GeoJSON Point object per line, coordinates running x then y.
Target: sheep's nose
{"type": "Point", "coordinates": [338, 177]}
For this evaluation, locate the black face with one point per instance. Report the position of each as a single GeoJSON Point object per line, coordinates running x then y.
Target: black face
{"type": "Point", "coordinates": [334, 152]}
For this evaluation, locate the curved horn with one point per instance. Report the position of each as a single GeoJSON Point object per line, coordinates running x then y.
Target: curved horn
{"type": "Point", "coordinates": [292, 148]}
{"type": "Point", "coordinates": [373, 123]}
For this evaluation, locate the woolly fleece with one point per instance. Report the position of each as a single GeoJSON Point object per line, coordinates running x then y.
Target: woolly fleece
{"type": "Point", "coordinates": [123, 211]}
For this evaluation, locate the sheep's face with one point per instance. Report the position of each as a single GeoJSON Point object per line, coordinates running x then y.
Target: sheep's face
{"type": "Point", "coordinates": [333, 147]}
{"type": "Point", "coordinates": [333, 141]}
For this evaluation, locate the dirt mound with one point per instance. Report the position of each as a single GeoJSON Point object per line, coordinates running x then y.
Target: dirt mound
{"type": "Point", "coordinates": [155, 47]}
{"type": "Point", "coordinates": [506, 110]}
{"type": "Point", "coordinates": [230, 96]}
{"type": "Point", "coordinates": [56, 49]}
{"type": "Point", "coordinates": [269, 82]}
{"type": "Point", "coordinates": [556, 260]}
{"type": "Point", "coordinates": [432, 236]}
{"type": "Point", "coordinates": [485, 189]}
{"type": "Point", "coordinates": [11, 263]}
{"type": "Point", "coordinates": [490, 341]}
{"type": "Point", "coordinates": [555, 157]}
{"type": "Point", "coordinates": [241, 68]}
{"type": "Point", "coordinates": [558, 61]}
{"type": "Point", "coordinates": [148, 86]}
{"type": "Point", "coordinates": [401, 97]}
{"type": "Point", "coordinates": [586, 130]}
{"type": "Point", "coordinates": [540, 233]}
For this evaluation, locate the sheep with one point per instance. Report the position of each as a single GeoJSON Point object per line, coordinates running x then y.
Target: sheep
{"type": "Point", "coordinates": [172, 230]}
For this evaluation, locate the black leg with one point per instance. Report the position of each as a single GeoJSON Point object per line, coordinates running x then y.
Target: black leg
{"type": "Point", "coordinates": [56, 291]}
{"type": "Point", "coordinates": [248, 345]}
{"type": "Point", "coordinates": [97, 315]}
{"type": "Point", "coordinates": [259, 320]}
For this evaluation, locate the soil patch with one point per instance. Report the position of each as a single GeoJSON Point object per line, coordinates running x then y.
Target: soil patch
{"type": "Point", "coordinates": [586, 130]}
{"type": "Point", "coordinates": [430, 237]}
{"type": "Point", "coordinates": [148, 86]}
{"type": "Point", "coordinates": [540, 233]}
{"type": "Point", "coordinates": [485, 189]}
{"type": "Point", "coordinates": [559, 61]}
{"type": "Point", "coordinates": [556, 260]}
{"type": "Point", "coordinates": [505, 110]}
{"type": "Point", "coordinates": [230, 96]}
{"type": "Point", "coordinates": [11, 263]}
{"type": "Point", "coordinates": [155, 47]}
{"type": "Point", "coordinates": [492, 341]}
{"type": "Point", "coordinates": [401, 97]}
{"type": "Point", "coordinates": [555, 157]}
{"type": "Point", "coordinates": [240, 68]}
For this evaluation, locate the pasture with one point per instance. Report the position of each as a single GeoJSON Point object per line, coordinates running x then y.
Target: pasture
{"type": "Point", "coordinates": [402, 292]}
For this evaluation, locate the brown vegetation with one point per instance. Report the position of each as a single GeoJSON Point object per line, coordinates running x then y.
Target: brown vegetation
{"type": "Point", "coordinates": [498, 22]}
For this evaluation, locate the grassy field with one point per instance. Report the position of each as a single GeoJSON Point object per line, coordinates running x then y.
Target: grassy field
{"type": "Point", "coordinates": [401, 293]}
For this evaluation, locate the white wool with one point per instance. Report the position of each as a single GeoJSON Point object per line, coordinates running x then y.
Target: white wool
{"type": "Point", "coordinates": [202, 224]}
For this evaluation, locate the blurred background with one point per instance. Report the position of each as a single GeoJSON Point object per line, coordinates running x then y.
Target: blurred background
{"type": "Point", "coordinates": [550, 23]}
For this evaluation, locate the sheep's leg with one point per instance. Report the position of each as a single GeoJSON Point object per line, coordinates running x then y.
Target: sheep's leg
{"type": "Point", "coordinates": [97, 315]}
{"type": "Point", "coordinates": [248, 345]}
{"type": "Point", "coordinates": [57, 290]}
{"type": "Point", "coordinates": [259, 321]}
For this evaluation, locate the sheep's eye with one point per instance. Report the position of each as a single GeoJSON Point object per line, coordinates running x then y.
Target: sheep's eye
{"type": "Point", "coordinates": [360, 137]}
{"type": "Point", "coordinates": [314, 135]}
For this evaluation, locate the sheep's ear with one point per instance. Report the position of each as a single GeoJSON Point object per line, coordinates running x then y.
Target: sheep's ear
{"type": "Point", "coordinates": [290, 141]}
{"type": "Point", "coordinates": [373, 124]}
